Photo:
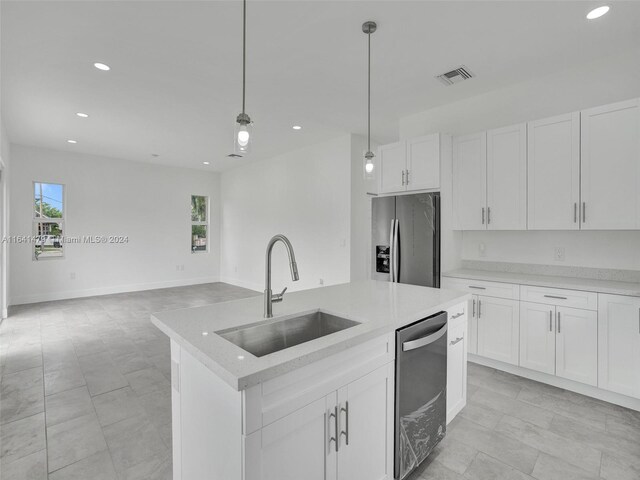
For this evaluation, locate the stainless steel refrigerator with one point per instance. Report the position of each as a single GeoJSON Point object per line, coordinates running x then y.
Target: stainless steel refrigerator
{"type": "Point", "coordinates": [406, 239]}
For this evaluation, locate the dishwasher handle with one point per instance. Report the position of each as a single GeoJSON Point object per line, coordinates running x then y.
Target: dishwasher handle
{"type": "Point", "coordinates": [426, 340]}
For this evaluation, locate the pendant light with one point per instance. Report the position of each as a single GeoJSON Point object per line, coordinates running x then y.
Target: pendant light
{"type": "Point", "coordinates": [243, 129]}
{"type": "Point", "coordinates": [368, 28]}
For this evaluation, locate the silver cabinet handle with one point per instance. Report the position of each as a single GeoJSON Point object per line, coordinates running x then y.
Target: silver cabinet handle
{"type": "Point", "coordinates": [479, 308]}
{"type": "Point", "coordinates": [477, 288]}
{"type": "Point", "coordinates": [575, 212]}
{"type": "Point", "coordinates": [421, 342]}
{"type": "Point", "coordinates": [346, 431]}
{"type": "Point", "coordinates": [403, 178]}
{"type": "Point", "coordinates": [558, 322]}
{"type": "Point", "coordinates": [453, 342]}
{"type": "Point", "coordinates": [555, 296]}
{"type": "Point", "coordinates": [551, 320]}
{"type": "Point", "coordinates": [333, 414]}
{"type": "Point", "coordinates": [407, 176]}
{"type": "Point", "coordinates": [474, 308]}
{"type": "Point", "coordinates": [482, 215]}
{"type": "Point", "coordinates": [584, 212]}
{"type": "Point", "coordinates": [488, 215]}
{"type": "Point", "coordinates": [453, 317]}
{"type": "Point", "coordinates": [639, 320]}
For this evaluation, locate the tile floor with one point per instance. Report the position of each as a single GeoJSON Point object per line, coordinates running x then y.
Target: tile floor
{"type": "Point", "coordinates": [85, 394]}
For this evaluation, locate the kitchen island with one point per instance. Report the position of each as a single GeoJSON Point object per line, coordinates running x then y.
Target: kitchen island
{"type": "Point", "coordinates": [321, 409]}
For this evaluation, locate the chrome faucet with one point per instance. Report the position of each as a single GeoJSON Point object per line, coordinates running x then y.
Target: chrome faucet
{"type": "Point", "coordinates": [270, 298]}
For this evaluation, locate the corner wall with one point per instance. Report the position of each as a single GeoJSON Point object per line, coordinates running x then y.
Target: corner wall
{"type": "Point", "coordinates": [104, 196]}
{"type": "Point", "coordinates": [611, 79]}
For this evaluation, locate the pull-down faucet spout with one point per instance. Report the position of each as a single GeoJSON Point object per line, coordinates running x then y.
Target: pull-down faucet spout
{"type": "Point", "coordinates": [269, 297]}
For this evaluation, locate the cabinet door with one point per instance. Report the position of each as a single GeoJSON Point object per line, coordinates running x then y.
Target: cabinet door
{"type": "Point", "coordinates": [472, 326]}
{"type": "Point", "coordinates": [470, 181]}
{"type": "Point", "coordinates": [619, 344]}
{"type": "Point", "coordinates": [577, 345]}
{"type": "Point", "coordinates": [610, 175]}
{"type": "Point", "coordinates": [392, 164]}
{"type": "Point", "coordinates": [498, 329]}
{"type": "Point", "coordinates": [507, 178]}
{"type": "Point", "coordinates": [298, 445]}
{"type": "Point", "coordinates": [456, 371]}
{"type": "Point", "coordinates": [423, 163]}
{"type": "Point", "coordinates": [553, 157]}
{"type": "Point", "coordinates": [538, 337]}
{"type": "Point", "coordinates": [366, 427]}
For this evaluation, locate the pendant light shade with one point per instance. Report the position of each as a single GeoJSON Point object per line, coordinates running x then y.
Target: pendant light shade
{"type": "Point", "coordinates": [243, 130]}
{"type": "Point", "coordinates": [369, 166]}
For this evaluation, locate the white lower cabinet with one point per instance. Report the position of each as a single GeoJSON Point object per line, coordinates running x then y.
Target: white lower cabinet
{"type": "Point", "coordinates": [296, 446]}
{"type": "Point", "coordinates": [472, 326]}
{"type": "Point", "coordinates": [577, 345]}
{"type": "Point", "coordinates": [538, 337]}
{"type": "Point", "coordinates": [498, 329]}
{"type": "Point", "coordinates": [456, 369]}
{"type": "Point", "coordinates": [619, 344]}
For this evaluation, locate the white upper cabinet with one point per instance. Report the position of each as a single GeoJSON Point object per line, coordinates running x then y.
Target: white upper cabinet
{"type": "Point", "coordinates": [610, 177]}
{"type": "Point", "coordinates": [507, 178]}
{"type": "Point", "coordinates": [392, 161]}
{"type": "Point", "coordinates": [554, 173]}
{"type": "Point", "coordinates": [470, 181]}
{"type": "Point", "coordinates": [619, 344]}
{"type": "Point", "coordinates": [423, 163]}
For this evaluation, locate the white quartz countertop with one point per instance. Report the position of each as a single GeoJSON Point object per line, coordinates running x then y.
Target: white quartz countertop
{"type": "Point", "coordinates": [553, 281]}
{"type": "Point", "coordinates": [380, 307]}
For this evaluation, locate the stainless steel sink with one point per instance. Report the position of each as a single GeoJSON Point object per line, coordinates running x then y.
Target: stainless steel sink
{"type": "Point", "coordinates": [263, 339]}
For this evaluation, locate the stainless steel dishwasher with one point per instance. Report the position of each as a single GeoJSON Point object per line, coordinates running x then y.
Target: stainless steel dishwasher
{"type": "Point", "coordinates": [421, 391]}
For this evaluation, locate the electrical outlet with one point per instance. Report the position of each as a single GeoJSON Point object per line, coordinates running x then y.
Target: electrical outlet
{"type": "Point", "coordinates": [482, 249]}
{"type": "Point", "coordinates": [559, 254]}
{"type": "Point", "coordinates": [72, 275]}
{"type": "Point", "coordinates": [321, 281]}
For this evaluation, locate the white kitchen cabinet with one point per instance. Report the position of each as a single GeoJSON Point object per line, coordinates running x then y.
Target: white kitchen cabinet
{"type": "Point", "coordinates": [577, 345]}
{"type": "Point", "coordinates": [470, 181]}
{"type": "Point", "coordinates": [498, 329]}
{"type": "Point", "coordinates": [296, 446]}
{"type": "Point", "coordinates": [538, 337]}
{"type": "Point", "coordinates": [423, 163]}
{"type": "Point", "coordinates": [472, 326]}
{"type": "Point", "coordinates": [619, 344]}
{"type": "Point", "coordinates": [365, 424]}
{"type": "Point", "coordinates": [553, 180]}
{"type": "Point", "coordinates": [507, 178]}
{"type": "Point", "coordinates": [392, 162]}
{"type": "Point", "coordinates": [456, 368]}
{"type": "Point", "coordinates": [610, 175]}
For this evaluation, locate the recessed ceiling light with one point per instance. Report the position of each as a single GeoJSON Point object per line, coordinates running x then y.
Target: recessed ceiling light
{"type": "Point", "coordinates": [297, 127]}
{"type": "Point", "coordinates": [102, 66]}
{"type": "Point", "coordinates": [82, 115]}
{"type": "Point", "coordinates": [206, 163]}
{"type": "Point", "coordinates": [71, 141]}
{"type": "Point", "coordinates": [240, 357]}
{"type": "Point", "coordinates": [204, 334]}
{"type": "Point", "coordinates": [597, 12]}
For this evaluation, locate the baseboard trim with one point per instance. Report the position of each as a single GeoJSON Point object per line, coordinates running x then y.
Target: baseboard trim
{"type": "Point", "coordinates": [581, 388]}
{"type": "Point", "coordinates": [93, 292]}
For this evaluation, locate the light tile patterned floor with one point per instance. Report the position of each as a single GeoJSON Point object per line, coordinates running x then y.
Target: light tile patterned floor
{"type": "Point", "coordinates": [85, 395]}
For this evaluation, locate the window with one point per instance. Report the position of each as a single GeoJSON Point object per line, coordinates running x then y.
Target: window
{"type": "Point", "coordinates": [48, 220]}
{"type": "Point", "coordinates": [199, 223]}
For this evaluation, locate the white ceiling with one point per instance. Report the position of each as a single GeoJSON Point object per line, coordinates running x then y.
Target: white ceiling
{"type": "Point", "coordinates": [174, 86]}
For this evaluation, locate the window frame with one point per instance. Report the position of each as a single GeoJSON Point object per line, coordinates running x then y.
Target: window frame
{"type": "Point", "coordinates": [35, 221]}
{"type": "Point", "coordinates": [204, 223]}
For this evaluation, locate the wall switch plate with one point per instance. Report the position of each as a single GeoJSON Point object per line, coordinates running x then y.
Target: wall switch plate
{"type": "Point", "coordinates": [321, 282]}
{"type": "Point", "coordinates": [559, 254]}
{"type": "Point", "coordinates": [482, 249]}
{"type": "Point", "coordinates": [72, 275]}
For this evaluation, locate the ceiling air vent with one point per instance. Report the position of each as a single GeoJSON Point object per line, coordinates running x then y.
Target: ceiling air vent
{"type": "Point", "coordinates": [234, 155]}
{"type": "Point", "coordinates": [455, 76]}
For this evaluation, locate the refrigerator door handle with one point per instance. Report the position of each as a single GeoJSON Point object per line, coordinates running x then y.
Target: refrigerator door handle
{"type": "Point", "coordinates": [395, 252]}
{"type": "Point", "coordinates": [391, 237]}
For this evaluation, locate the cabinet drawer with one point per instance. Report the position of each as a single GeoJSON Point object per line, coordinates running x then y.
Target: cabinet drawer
{"type": "Point", "coordinates": [483, 287]}
{"type": "Point", "coordinates": [558, 296]}
{"type": "Point", "coordinates": [457, 315]}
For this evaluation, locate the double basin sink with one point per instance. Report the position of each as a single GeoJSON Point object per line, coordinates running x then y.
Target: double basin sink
{"type": "Point", "coordinates": [265, 338]}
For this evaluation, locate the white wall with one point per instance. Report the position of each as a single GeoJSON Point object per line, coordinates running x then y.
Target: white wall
{"type": "Point", "coordinates": [304, 195]}
{"type": "Point", "coordinates": [609, 80]}
{"type": "Point", "coordinates": [106, 196]}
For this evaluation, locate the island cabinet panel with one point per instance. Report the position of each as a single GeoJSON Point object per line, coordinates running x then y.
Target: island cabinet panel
{"type": "Point", "coordinates": [498, 329]}
{"type": "Point", "coordinates": [456, 360]}
{"type": "Point", "coordinates": [619, 344]}
{"type": "Point", "coordinates": [577, 345]}
{"type": "Point", "coordinates": [365, 426]}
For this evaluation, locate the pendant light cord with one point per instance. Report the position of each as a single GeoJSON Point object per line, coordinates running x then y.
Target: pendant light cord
{"type": "Point", "coordinates": [244, 49]}
{"type": "Point", "coordinates": [369, 95]}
